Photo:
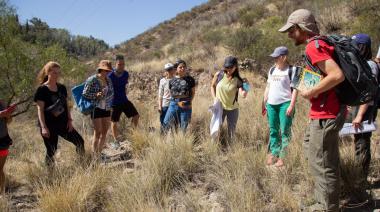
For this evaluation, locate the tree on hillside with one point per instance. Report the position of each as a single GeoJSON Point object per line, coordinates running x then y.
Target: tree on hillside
{"type": "Point", "coordinates": [37, 31]}
{"type": "Point", "coordinates": [21, 60]}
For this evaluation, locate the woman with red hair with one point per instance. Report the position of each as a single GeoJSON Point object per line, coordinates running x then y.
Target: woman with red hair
{"type": "Point", "coordinates": [53, 113]}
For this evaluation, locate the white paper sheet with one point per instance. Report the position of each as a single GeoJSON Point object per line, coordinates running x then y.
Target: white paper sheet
{"type": "Point", "coordinates": [349, 129]}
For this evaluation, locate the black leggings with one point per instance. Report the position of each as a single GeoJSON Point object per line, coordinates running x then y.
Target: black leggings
{"type": "Point", "coordinates": [52, 142]}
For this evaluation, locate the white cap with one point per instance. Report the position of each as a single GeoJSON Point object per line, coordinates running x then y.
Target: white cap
{"type": "Point", "coordinates": [168, 66]}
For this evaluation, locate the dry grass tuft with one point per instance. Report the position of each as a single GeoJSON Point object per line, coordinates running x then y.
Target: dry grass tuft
{"type": "Point", "coordinates": [85, 190]}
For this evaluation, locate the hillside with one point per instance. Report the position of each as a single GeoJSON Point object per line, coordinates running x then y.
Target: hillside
{"type": "Point", "coordinates": [246, 28]}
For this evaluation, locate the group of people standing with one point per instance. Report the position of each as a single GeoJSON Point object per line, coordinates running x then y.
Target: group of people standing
{"type": "Point", "coordinates": [107, 89]}
{"type": "Point", "coordinates": [177, 89]}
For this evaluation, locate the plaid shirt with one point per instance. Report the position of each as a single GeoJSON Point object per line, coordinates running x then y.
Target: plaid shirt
{"type": "Point", "coordinates": [93, 86]}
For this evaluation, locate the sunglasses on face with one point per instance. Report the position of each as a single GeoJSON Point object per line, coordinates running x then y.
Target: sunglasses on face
{"type": "Point", "coordinates": [293, 28]}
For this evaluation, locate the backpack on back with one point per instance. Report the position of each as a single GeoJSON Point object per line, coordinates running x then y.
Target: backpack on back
{"type": "Point", "coordinates": [377, 102]}
{"type": "Point", "coordinates": [359, 86]}
{"type": "Point", "coordinates": [84, 105]}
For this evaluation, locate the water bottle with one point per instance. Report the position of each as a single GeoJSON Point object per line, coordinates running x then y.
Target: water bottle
{"type": "Point", "coordinates": [246, 86]}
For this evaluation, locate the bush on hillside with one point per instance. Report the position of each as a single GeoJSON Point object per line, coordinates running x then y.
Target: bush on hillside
{"type": "Point", "coordinates": [249, 15]}
{"type": "Point", "coordinates": [213, 36]}
{"type": "Point", "coordinates": [367, 19]}
{"type": "Point", "coordinates": [243, 41]}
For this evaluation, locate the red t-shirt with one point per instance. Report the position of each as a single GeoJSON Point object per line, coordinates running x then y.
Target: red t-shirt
{"type": "Point", "coordinates": [322, 107]}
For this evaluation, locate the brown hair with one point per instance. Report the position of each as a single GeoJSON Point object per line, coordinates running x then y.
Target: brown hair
{"type": "Point", "coordinates": [43, 74]}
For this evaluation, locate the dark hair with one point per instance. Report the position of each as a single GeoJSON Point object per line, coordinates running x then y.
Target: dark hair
{"type": "Point", "coordinates": [365, 51]}
{"type": "Point", "coordinates": [179, 61]}
{"type": "Point", "coordinates": [236, 73]}
{"type": "Point", "coordinates": [119, 57]}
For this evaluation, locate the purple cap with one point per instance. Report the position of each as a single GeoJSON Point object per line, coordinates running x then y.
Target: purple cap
{"type": "Point", "coordinates": [362, 38]}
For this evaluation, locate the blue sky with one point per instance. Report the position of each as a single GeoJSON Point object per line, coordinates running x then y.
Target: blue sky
{"type": "Point", "coordinates": [114, 21]}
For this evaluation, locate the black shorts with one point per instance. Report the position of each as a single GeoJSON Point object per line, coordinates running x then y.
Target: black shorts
{"type": "Point", "coordinates": [5, 142]}
{"type": "Point", "coordinates": [128, 109]}
{"type": "Point", "coordinates": [100, 113]}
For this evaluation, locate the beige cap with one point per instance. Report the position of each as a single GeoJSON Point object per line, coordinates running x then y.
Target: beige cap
{"type": "Point", "coordinates": [304, 19]}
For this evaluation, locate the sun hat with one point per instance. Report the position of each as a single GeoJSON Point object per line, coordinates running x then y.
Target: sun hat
{"type": "Point", "coordinates": [104, 65]}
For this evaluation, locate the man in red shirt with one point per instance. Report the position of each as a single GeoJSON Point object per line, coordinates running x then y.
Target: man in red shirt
{"type": "Point", "coordinates": [326, 113]}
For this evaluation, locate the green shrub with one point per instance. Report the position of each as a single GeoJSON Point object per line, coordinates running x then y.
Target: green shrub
{"type": "Point", "coordinates": [367, 20]}
{"type": "Point", "coordinates": [249, 15]}
{"type": "Point", "coordinates": [243, 41]}
{"type": "Point", "coordinates": [213, 36]}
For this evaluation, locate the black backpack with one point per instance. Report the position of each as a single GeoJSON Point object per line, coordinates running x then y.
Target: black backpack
{"type": "Point", "coordinates": [377, 102]}
{"type": "Point", "coordinates": [359, 86]}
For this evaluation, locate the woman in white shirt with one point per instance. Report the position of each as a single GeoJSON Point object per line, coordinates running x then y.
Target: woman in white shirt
{"type": "Point", "coordinates": [279, 101]}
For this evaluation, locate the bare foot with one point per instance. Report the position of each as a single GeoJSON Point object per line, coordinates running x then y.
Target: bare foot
{"type": "Point", "coordinates": [270, 159]}
{"type": "Point", "coordinates": [279, 163]}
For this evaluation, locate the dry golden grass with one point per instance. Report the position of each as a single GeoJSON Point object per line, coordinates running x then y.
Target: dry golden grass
{"type": "Point", "coordinates": [84, 190]}
{"type": "Point", "coordinates": [174, 173]}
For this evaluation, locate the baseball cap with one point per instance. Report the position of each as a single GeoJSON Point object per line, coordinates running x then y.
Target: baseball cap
{"type": "Point", "coordinates": [230, 61]}
{"type": "Point", "coordinates": [168, 66]}
{"type": "Point", "coordinates": [362, 38]}
{"type": "Point", "coordinates": [282, 50]}
{"type": "Point", "coordinates": [304, 19]}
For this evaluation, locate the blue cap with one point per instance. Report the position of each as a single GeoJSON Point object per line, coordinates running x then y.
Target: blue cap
{"type": "Point", "coordinates": [362, 38]}
{"type": "Point", "coordinates": [279, 51]}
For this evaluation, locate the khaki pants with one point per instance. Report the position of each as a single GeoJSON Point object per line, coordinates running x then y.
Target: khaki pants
{"type": "Point", "coordinates": [321, 148]}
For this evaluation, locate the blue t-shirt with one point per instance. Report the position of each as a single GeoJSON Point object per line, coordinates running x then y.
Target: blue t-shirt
{"type": "Point", "coordinates": [119, 84]}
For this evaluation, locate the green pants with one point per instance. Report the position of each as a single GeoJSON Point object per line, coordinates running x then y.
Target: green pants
{"type": "Point", "coordinates": [321, 146]}
{"type": "Point", "coordinates": [279, 128]}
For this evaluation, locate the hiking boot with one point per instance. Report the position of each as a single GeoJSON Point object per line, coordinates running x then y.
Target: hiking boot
{"type": "Point", "coordinates": [357, 200]}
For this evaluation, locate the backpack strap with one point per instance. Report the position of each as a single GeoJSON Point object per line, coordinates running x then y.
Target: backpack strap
{"type": "Point", "coordinates": [290, 72]}
{"type": "Point", "coordinates": [220, 76]}
{"type": "Point", "coordinates": [271, 70]}
{"type": "Point", "coordinates": [308, 63]}
{"type": "Point", "coordinates": [323, 38]}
